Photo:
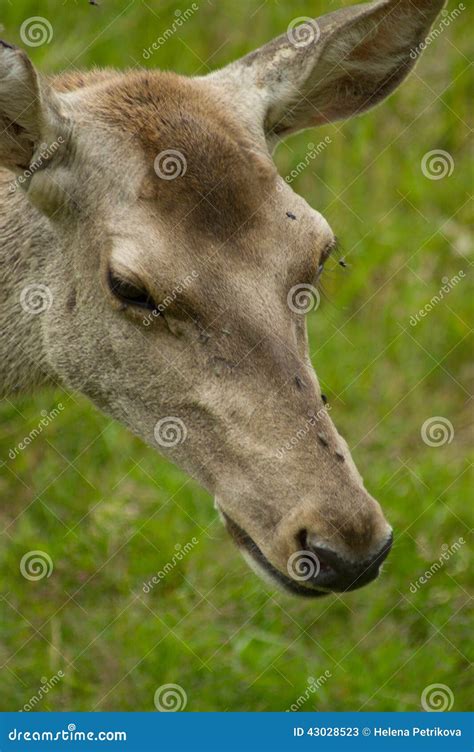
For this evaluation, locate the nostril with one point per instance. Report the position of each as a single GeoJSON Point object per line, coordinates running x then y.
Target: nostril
{"type": "Point", "coordinates": [327, 560]}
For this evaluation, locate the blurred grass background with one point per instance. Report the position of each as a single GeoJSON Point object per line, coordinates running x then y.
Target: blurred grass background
{"type": "Point", "coordinates": [110, 512]}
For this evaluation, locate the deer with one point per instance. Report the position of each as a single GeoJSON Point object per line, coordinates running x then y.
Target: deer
{"type": "Point", "coordinates": [153, 259]}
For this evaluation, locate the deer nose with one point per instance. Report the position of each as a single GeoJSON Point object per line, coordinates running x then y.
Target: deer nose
{"type": "Point", "coordinates": [332, 571]}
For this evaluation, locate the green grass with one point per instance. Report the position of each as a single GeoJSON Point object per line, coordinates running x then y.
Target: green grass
{"type": "Point", "coordinates": [110, 512]}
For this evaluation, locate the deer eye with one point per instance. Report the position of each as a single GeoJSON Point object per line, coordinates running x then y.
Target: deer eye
{"type": "Point", "coordinates": [332, 246]}
{"type": "Point", "coordinates": [129, 293]}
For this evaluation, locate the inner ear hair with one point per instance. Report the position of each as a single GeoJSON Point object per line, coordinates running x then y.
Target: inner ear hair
{"type": "Point", "coordinates": [29, 110]}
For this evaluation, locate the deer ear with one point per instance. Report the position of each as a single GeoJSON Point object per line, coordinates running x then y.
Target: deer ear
{"type": "Point", "coordinates": [334, 67]}
{"type": "Point", "coordinates": [29, 113]}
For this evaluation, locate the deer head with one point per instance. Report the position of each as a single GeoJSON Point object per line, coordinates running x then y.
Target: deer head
{"type": "Point", "coordinates": [176, 259]}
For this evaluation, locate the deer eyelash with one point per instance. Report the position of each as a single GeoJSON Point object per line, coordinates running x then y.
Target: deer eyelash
{"type": "Point", "coordinates": [129, 293]}
{"type": "Point", "coordinates": [327, 251]}
{"type": "Point", "coordinates": [332, 247]}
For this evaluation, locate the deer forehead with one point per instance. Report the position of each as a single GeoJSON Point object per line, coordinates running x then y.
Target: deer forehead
{"type": "Point", "coordinates": [199, 166]}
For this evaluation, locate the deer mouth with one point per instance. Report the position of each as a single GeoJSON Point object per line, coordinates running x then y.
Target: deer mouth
{"type": "Point", "coordinates": [260, 564]}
